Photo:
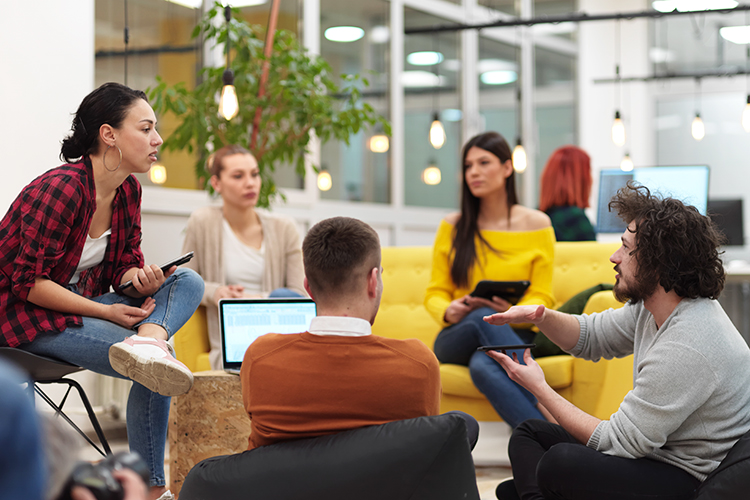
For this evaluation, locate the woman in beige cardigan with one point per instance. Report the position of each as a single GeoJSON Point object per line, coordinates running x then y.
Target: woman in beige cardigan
{"type": "Point", "coordinates": [239, 251]}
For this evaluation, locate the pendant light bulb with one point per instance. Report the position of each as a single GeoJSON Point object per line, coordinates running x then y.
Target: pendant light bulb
{"type": "Point", "coordinates": [618, 130]}
{"type": "Point", "coordinates": [519, 157]}
{"type": "Point", "coordinates": [626, 165]}
{"type": "Point", "coordinates": [746, 116]}
{"type": "Point", "coordinates": [324, 180]}
{"type": "Point", "coordinates": [228, 104]}
{"type": "Point", "coordinates": [432, 175]}
{"type": "Point", "coordinates": [379, 143]}
{"type": "Point", "coordinates": [437, 132]}
{"type": "Point", "coordinates": [697, 128]}
{"type": "Point", "coordinates": [158, 173]}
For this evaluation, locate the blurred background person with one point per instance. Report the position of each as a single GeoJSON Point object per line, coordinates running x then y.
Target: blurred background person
{"type": "Point", "coordinates": [240, 251]}
{"type": "Point", "coordinates": [493, 237]}
{"type": "Point", "coordinates": [564, 193]}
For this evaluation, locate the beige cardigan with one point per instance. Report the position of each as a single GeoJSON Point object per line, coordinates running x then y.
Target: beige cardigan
{"type": "Point", "coordinates": [283, 255]}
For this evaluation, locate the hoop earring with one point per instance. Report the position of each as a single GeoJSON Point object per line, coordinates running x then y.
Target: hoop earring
{"type": "Point", "coordinates": [104, 160]}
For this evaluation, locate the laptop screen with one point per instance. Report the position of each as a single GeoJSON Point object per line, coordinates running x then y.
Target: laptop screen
{"type": "Point", "coordinates": [241, 321]}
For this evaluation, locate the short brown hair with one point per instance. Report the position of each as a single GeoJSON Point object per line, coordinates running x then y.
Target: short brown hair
{"type": "Point", "coordinates": [338, 255]}
{"type": "Point", "coordinates": [676, 246]}
{"type": "Point", "coordinates": [215, 162]}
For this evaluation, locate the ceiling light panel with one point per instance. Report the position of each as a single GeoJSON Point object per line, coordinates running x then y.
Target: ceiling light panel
{"type": "Point", "coordinates": [344, 34]}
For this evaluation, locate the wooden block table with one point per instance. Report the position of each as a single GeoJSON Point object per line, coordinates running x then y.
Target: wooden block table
{"type": "Point", "coordinates": [207, 421]}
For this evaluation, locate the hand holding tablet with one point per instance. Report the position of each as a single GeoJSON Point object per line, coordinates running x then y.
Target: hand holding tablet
{"type": "Point", "coordinates": [511, 291]}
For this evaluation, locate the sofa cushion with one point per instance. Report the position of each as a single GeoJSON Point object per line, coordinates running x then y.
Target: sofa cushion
{"type": "Point", "coordinates": [580, 265]}
{"type": "Point", "coordinates": [558, 371]}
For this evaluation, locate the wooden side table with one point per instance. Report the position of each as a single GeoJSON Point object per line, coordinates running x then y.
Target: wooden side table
{"type": "Point", "coordinates": [208, 421]}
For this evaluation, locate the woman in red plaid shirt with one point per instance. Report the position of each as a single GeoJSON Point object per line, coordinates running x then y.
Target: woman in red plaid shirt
{"type": "Point", "coordinates": [73, 234]}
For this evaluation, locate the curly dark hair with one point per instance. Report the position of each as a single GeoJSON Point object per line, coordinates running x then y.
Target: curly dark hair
{"type": "Point", "coordinates": [676, 246]}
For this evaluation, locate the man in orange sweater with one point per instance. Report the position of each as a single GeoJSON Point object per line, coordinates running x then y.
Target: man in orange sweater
{"type": "Point", "coordinates": [337, 376]}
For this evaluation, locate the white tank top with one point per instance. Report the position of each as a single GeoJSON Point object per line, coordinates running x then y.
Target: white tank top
{"type": "Point", "coordinates": [243, 265]}
{"type": "Point", "coordinates": [92, 255]}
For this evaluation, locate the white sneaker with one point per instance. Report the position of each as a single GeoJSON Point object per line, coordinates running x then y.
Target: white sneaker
{"type": "Point", "coordinates": [167, 495]}
{"type": "Point", "coordinates": [151, 363]}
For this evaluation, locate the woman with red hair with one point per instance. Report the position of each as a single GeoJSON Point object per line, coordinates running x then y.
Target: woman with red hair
{"type": "Point", "coordinates": [564, 193]}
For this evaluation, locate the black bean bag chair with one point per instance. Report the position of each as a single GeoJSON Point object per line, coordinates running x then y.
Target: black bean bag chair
{"type": "Point", "coordinates": [426, 458]}
{"type": "Point", "coordinates": [731, 479]}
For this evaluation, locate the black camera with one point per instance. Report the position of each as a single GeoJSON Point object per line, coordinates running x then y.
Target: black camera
{"type": "Point", "coordinates": [98, 477]}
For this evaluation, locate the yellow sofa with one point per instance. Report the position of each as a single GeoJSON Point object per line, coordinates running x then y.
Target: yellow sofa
{"type": "Point", "coordinates": [597, 388]}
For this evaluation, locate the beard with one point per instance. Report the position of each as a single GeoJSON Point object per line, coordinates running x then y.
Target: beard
{"type": "Point", "coordinates": [634, 292]}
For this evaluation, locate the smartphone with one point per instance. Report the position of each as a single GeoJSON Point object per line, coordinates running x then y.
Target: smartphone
{"type": "Point", "coordinates": [505, 347]}
{"type": "Point", "coordinates": [512, 291]}
{"type": "Point", "coordinates": [166, 267]}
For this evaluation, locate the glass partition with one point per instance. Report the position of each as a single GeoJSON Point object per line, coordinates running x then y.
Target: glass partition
{"type": "Point", "coordinates": [359, 170]}
{"type": "Point", "coordinates": [432, 72]}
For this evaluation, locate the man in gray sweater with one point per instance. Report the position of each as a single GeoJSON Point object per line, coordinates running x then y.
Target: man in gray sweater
{"type": "Point", "coordinates": [690, 401]}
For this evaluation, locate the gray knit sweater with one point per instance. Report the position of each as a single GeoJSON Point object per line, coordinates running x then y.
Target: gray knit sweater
{"type": "Point", "coordinates": [691, 384]}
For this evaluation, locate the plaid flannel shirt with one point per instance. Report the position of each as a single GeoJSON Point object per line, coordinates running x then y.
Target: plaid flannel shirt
{"type": "Point", "coordinates": [42, 236]}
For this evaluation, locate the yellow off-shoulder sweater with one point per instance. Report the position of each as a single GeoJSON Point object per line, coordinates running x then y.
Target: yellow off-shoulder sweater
{"type": "Point", "coordinates": [522, 255]}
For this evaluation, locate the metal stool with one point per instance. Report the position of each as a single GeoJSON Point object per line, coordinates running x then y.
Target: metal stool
{"type": "Point", "coordinates": [44, 370]}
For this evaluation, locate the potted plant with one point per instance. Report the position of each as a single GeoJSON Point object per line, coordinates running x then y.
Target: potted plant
{"type": "Point", "coordinates": [302, 97]}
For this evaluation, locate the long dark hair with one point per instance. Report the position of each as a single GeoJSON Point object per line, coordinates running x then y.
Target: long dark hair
{"type": "Point", "coordinates": [107, 104]}
{"type": "Point", "coordinates": [464, 250]}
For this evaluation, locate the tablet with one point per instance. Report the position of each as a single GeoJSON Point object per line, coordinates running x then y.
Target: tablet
{"type": "Point", "coordinates": [165, 267]}
{"type": "Point", "coordinates": [512, 291]}
{"type": "Point", "coordinates": [505, 347]}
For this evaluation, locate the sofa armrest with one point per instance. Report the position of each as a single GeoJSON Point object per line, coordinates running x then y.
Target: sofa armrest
{"type": "Point", "coordinates": [601, 301]}
{"type": "Point", "coordinates": [191, 341]}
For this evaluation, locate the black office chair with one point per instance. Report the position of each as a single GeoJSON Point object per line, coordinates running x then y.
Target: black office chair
{"type": "Point", "coordinates": [44, 370]}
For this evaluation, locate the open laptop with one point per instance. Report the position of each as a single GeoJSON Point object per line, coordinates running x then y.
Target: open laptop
{"type": "Point", "coordinates": [242, 321]}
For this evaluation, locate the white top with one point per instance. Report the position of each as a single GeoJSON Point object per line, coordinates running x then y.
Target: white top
{"type": "Point", "coordinates": [243, 265]}
{"type": "Point", "coordinates": [340, 326]}
{"type": "Point", "coordinates": [92, 255]}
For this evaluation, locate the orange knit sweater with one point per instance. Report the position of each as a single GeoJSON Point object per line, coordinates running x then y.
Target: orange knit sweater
{"type": "Point", "coordinates": [304, 385]}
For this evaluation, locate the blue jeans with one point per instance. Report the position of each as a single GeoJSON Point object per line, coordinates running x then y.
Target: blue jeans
{"type": "Point", "coordinates": [88, 346]}
{"type": "Point", "coordinates": [23, 472]}
{"type": "Point", "coordinates": [457, 344]}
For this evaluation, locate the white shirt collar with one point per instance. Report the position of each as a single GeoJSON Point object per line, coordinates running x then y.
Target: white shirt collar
{"type": "Point", "coordinates": [341, 326]}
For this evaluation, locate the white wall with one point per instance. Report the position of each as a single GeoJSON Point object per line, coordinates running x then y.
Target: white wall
{"type": "Point", "coordinates": [47, 67]}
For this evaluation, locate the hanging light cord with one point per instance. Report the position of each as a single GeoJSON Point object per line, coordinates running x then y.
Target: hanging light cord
{"type": "Point", "coordinates": [618, 90]}
{"type": "Point", "coordinates": [126, 39]}
{"type": "Point", "coordinates": [698, 97]}
{"type": "Point", "coordinates": [228, 17]}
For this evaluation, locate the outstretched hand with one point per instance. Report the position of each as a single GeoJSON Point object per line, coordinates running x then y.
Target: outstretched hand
{"type": "Point", "coordinates": [530, 375]}
{"type": "Point", "coordinates": [517, 314]}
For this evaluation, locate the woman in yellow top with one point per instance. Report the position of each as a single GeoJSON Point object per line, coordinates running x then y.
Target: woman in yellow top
{"type": "Point", "coordinates": [492, 238]}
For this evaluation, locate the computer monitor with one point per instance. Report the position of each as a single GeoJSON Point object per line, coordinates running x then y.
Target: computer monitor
{"type": "Point", "coordinates": [727, 215]}
{"type": "Point", "coordinates": [686, 183]}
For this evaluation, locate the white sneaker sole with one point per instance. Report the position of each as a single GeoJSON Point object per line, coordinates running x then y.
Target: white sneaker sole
{"type": "Point", "coordinates": [156, 374]}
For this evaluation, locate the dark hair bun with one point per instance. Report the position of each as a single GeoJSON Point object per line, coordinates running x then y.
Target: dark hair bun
{"type": "Point", "coordinates": [107, 104]}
